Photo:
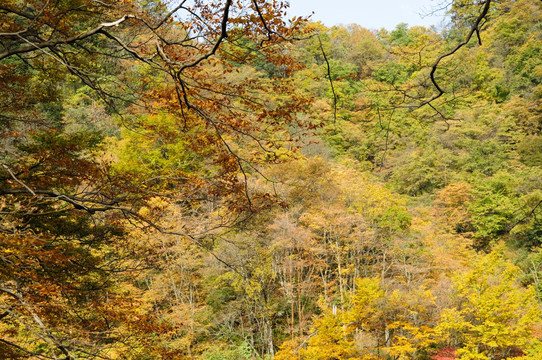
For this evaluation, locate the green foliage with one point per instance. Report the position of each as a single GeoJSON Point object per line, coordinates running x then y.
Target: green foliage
{"type": "Point", "coordinates": [241, 352]}
{"type": "Point", "coordinates": [83, 113]}
{"type": "Point", "coordinates": [530, 150]}
{"type": "Point", "coordinates": [423, 173]}
{"type": "Point", "coordinates": [400, 35]}
{"type": "Point", "coordinates": [493, 209]}
{"type": "Point", "coordinates": [392, 73]}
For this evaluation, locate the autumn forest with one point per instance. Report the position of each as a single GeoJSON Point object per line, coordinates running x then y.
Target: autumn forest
{"type": "Point", "coordinates": [217, 180]}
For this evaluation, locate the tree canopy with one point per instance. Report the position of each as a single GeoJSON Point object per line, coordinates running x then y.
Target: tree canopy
{"type": "Point", "coordinates": [210, 180]}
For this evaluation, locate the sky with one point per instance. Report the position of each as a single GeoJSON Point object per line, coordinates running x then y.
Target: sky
{"type": "Point", "coordinates": [370, 14]}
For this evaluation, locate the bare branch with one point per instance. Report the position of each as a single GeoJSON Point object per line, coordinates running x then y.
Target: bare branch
{"type": "Point", "coordinates": [330, 80]}
{"type": "Point", "coordinates": [17, 180]}
{"type": "Point", "coordinates": [474, 29]}
{"type": "Point", "coordinates": [53, 43]}
{"type": "Point", "coordinates": [38, 356]}
{"type": "Point", "coordinates": [222, 36]}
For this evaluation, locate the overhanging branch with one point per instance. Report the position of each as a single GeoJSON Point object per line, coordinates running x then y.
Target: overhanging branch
{"type": "Point", "coordinates": [475, 29]}
{"type": "Point", "coordinates": [52, 43]}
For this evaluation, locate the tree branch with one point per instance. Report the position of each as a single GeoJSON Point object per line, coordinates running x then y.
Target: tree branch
{"type": "Point", "coordinates": [223, 35]}
{"type": "Point", "coordinates": [330, 80]}
{"type": "Point", "coordinates": [52, 43]}
{"type": "Point", "coordinates": [474, 29]}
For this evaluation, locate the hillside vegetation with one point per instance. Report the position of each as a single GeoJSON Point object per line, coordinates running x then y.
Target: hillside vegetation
{"type": "Point", "coordinates": [210, 181]}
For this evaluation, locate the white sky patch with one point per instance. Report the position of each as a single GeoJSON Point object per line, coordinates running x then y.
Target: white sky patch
{"type": "Point", "coordinates": [371, 14]}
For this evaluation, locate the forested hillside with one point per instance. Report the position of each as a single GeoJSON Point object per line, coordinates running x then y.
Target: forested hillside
{"type": "Point", "coordinates": [210, 180]}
